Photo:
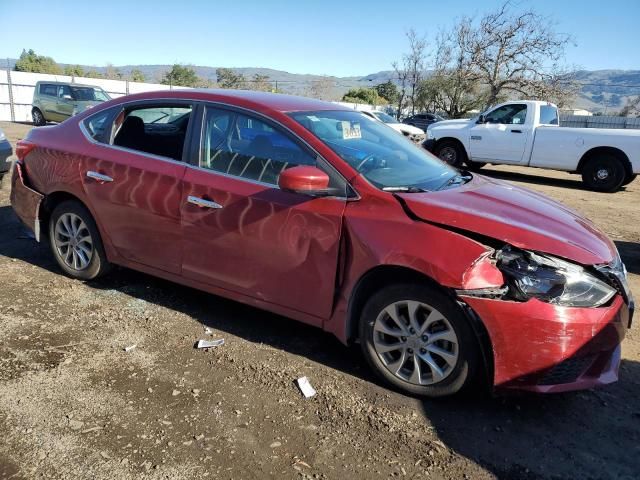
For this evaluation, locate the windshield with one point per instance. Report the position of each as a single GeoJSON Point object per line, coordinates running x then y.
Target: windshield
{"type": "Point", "coordinates": [383, 117]}
{"type": "Point", "coordinates": [89, 94]}
{"type": "Point", "coordinates": [384, 157]}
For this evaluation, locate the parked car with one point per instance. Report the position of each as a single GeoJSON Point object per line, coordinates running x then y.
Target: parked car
{"type": "Point", "coordinates": [5, 152]}
{"type": "Point", "coordinates": [422, 120]}
{"type": "Point", "coordinates": [57, 101]}
{"type": "Point", "coordinates": [528, 133]}
{"type": "Point", "coordinates": [413, 133]}
{"type": "Point", "coordinates": [309, 210]}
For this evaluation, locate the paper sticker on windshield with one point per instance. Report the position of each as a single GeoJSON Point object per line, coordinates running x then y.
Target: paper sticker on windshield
{"type": "Point", "coordinates": [350, 130]}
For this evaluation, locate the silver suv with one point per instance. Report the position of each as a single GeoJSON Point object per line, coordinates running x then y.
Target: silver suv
{"type": "Point", "coordinates": [57, 101]}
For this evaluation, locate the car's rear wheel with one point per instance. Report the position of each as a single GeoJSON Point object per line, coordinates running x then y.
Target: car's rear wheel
{"type": "Point", "coordinates": [38, 117]}
{"type": "Point", "coordinates": [629, 178]}
{"type": "Point", "coordinates": [604, 173]}
{"type": "Point", "coordinates": [75, 241]}
{"type": "Point", "coordinates": [418, 340]}
{"type": "Point", "coordinates": [452, 153]}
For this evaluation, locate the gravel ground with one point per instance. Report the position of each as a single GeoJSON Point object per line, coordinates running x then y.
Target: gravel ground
{"type": "Point", "coordinates": [74, 404]}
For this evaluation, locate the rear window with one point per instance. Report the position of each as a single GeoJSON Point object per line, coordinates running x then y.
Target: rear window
{"type": "Point", "coordinates": [548, 115]}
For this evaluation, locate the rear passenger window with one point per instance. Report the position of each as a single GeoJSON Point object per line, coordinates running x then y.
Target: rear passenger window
{"type": "Point", "coordinates": [96, 125]}
{"type": "Point", "coordinates": [246, 147]}
{"type": "Point", "coordinates": [48, 89]}
{"type": "Point", "coordinates": [158, 130]}
{"type": "Point", "coordinates": [548, 115]}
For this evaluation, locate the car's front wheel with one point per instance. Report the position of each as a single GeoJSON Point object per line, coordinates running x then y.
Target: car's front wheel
{"type": "Point", "coordinates": [75, 241]}
{"type": "Point", "coordinates": [452, 153]}
{"type": "Point", "coordinates": [418, 340]}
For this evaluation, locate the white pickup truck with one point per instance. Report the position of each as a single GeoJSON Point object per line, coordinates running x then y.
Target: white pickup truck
{"type": "Point", "coordinates": [527, 133]}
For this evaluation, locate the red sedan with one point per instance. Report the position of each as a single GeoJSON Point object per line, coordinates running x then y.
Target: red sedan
{"type": "Point", "coordinates": [321, 214]}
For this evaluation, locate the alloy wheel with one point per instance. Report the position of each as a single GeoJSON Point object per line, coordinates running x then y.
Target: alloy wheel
{"type": "Point", "coordinates": [415, 342]}
{"type": "Point", "coordinates": [73, 241]}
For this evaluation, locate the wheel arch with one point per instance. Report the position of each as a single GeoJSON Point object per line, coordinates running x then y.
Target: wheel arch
{"type": "Point", "coordinates": [442, 140]}
{"type": "Point", "coordinates": [592, 152]}
{"type": "Point", "coordinates": [53, 199]}
{"type": "Point", "coordinates": [383, 275]}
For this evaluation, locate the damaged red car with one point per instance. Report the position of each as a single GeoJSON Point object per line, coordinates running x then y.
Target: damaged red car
{"type": "Point", "coordinates": [316, 212]}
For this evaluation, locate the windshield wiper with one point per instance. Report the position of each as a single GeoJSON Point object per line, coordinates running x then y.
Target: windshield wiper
{"type": "Point", "coordinates": [404, 189]}
{"type": "Point", "coordinates": [457, 180]}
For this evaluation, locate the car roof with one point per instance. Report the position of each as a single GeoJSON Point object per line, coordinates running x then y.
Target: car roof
{"type": "Point", "coordinates": [73, 84]}
{"type": "Point", "coordinates": [244, 98]}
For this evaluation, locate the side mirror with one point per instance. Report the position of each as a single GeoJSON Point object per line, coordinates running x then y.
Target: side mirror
{"type": "Point", "coordinates": [481, 119]}
{"type": "Point", "coordinates": [67, 97]}
{"type": "Point", "coordinates": [304, 179]}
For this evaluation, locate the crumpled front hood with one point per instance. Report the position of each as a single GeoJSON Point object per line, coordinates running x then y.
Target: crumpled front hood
{"type": "Point", "coordinates": [517, 216]}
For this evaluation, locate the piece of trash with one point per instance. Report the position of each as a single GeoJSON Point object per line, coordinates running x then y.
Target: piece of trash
{"type": "Point", "coordinates": [130, 347]}
{"type": "Point", "coordinates": [305, 387]}
{"type": "Point", "coordinates": [208, 331]}
{"type": "Point", "coordinates": [210, 343]}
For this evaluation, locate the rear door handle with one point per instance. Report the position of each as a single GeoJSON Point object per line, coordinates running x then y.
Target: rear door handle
{"type": "Point", "coordinates": [516, 131]}
{"type": "Point", "coordinates": [201, 202]}
{"type": "Point", "coordinates": [99, 176]}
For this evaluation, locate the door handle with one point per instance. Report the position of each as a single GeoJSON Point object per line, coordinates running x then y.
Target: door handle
{"type": "Point", "coordinates": [201, 202]}
{"type": "Point", "coordinates": [516, 131]}
{"type": "Point", "coordinates": [99, 176]}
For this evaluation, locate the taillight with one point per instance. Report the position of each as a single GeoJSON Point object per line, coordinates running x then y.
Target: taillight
{"type": "Point", "coordinates": [23, 147]}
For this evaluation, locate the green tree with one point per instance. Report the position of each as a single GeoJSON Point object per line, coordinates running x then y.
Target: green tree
{"type": "Point", "coordinates": [74, 70]}
{"type": "Point", "coordinates": [93, 74]}
{"type": "Point", "coordinates": [227, 78]}
{"type": "Point", "coordinates": [388, 91]}
{"type": "Point", "coordinates": [362, 95]}
{"type": "Point", "coordinates": [137, 76]}
{"type": "Point", "coordinates": [260, 83]}
{"type": "Point", "coordinates": [182, 75]}
{"type": "Point", "coordinates": [112, 73]}
{"type": "Point", "coordinates": [29, 61]}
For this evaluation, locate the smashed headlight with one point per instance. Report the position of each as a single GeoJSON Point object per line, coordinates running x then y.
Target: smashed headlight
{"type": "Point", "coordinates": [549, 279]}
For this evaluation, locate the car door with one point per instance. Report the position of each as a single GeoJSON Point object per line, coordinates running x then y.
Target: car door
{"type": "Point", "coordinates": [502, 136]}
{"type": "Point", "coordinates": [65, 103]}
{"type": "Point", "coordinates": [242, 233]}
{"type": "Point", "coordinates": [133, 179]}
{"type": "Point", "coordinates": [48, 97]}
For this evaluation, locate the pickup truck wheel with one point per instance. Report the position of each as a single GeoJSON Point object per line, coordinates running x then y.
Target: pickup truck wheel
{"type": "Point", "coordinates": [452, 153]}
{"type": "Point", "coordinates": [604, 173]}
{"type": "Point", "coordinates": [418, 340]}
{"type": "Point", "coordinates": [38, 117]}
{"type": "Point", "coordinates": [75, 242]}
{"type": "Point", "coordinates": [629, 178]}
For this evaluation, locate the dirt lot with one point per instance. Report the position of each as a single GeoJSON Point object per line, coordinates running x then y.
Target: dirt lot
{"type": "Point", "coordinates": [75, 405]}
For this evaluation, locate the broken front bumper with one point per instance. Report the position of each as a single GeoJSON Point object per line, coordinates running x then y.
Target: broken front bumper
{"type": "Point", "coordinates": [546, 348]}
{"type": "Point", "coordinates": [25, 201]}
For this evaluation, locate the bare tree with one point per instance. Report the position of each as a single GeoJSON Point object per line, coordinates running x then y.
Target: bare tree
{"type": "Point", "coordinates": [511, 51]}
{"type": "Point", "coordinates": [411, 70]}
{"type": "Point", "coordinates": [632, 108]}
{"type": "Point", "coordinates": [322, 88]}
{"type": "Point", "coordinates": [454, 85]}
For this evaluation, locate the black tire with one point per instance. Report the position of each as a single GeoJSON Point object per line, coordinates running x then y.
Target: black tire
{"type": "Point", "coordinates": [604, 173]}
{"type": "Point", "coordinates": [629, 178]}
{"type": "Point", "coordinates": [97, 262]}
{"type": "Point", "coordinates": [459, 376]}
{"type": "Point", "coordinates": [38, 117]}
{"type": "Point", "coordinates": [451, 152]}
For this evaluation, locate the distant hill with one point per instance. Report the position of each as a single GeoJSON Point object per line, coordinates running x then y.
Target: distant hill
{"type": "Point", "coordinates": [602, 90]}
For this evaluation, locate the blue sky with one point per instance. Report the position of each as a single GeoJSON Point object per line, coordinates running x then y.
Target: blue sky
{"type": "Point", "coordinates": [333, 37]}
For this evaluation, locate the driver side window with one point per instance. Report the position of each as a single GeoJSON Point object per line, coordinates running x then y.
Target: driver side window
{"type": "Point", "coordinates": [514, 114]}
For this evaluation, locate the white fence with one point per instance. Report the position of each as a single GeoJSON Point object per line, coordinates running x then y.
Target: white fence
{"type": "Point", "coordinates": [16, 90]}
{"type": "Point", "coordinates": [599, 121]}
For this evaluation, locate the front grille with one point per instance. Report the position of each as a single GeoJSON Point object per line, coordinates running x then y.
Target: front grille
{"type": "Point", "coordinates": [567, 371]}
